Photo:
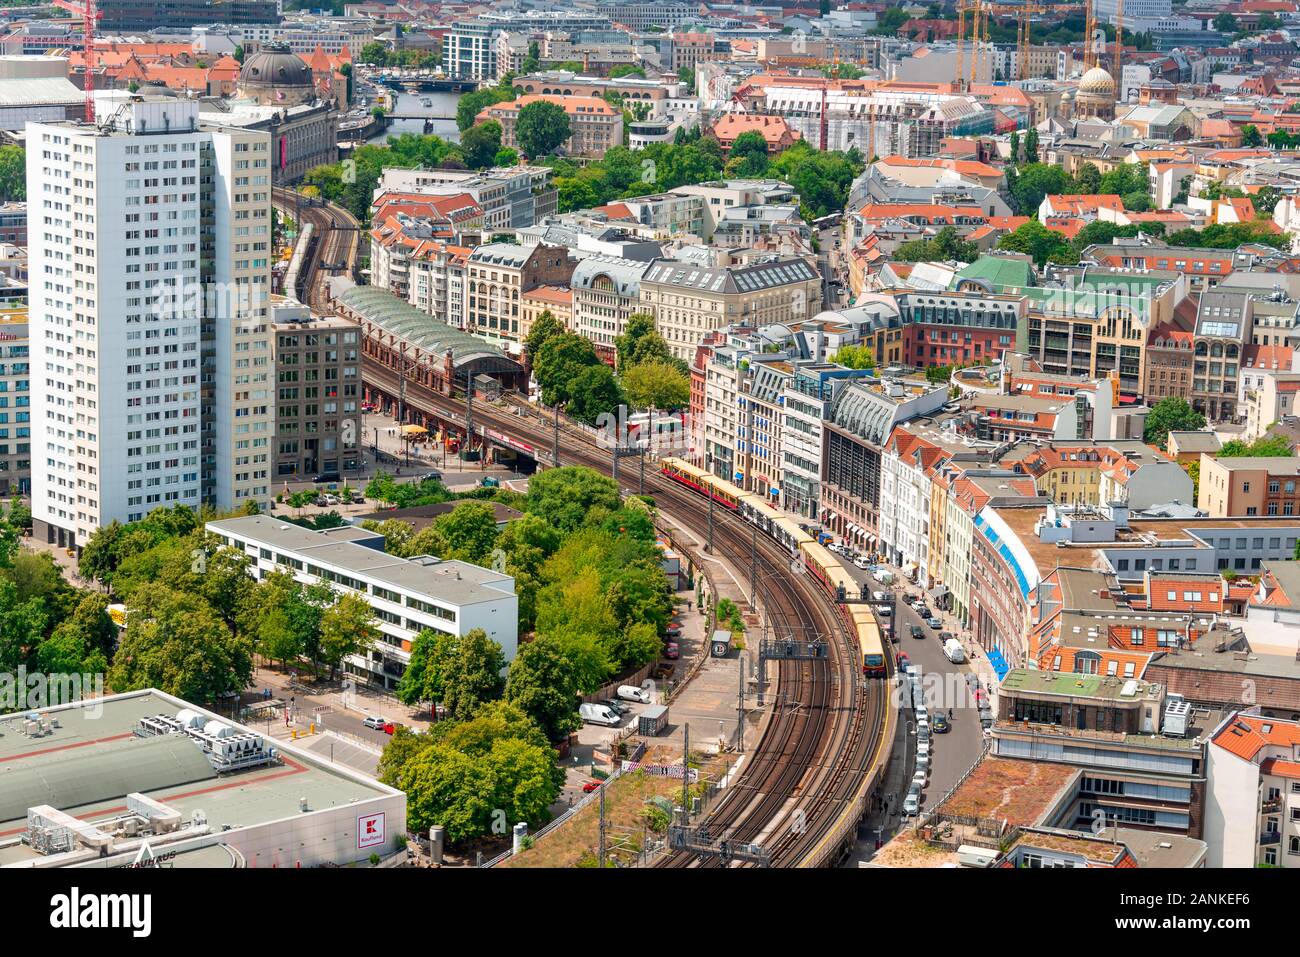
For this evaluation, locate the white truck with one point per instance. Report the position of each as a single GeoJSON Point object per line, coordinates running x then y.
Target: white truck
{"type": "Point", "coordinates": [599, 714]}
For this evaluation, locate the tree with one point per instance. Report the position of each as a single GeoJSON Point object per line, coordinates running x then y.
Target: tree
{"type": "Point", "coordinates": [1039, 242]}
{"type": "Point", "coordinates": [1035, 180]}
{"type": "Point", "coordinates": [1089, 179]}
{"type": "Point", "coordinates": [1267, 446]}
{"type": "Point", "coordinates": [595, 392]}
{"type": "Point", "coordinates": [544, 327]}
{"type": "Point", "coordinates": [13, 174]}
{"type": "Point", "coordinates": [446, 787]}
{"type": "Point", "coordinates": [239, 56]}
{"type": "Point", "coordinates": [1170, 414]}
{"type": "Point", "coordinates": [946, 245]}
{"type": "Point", "coordinates": [532, 60]}
{"type": "Point", "coordinates": [82, 642]}
{"type": "Point", "coordinates": [469, 106]}
{"type": "Point", "coordinates": [1225, 22]}
{"type": "Point", "coordinates": [470, 673]}
{"type": "Point", "coordinates": [480, 144]}
{"type": "Point", "coordinates": [686, 76]}
{"type": "Point", "coordinates": [22, 623]}
{"type": "Point", "coordinates": [1250, 135]}
{"type": "Point", "coordinates": [175, 642]}
{"type": "Point", "coordinates": [346, 629]}
{"type": "Point", "coordinates": [468, 532]}
{"type": "Point", "coordinates": [751, 147]}
{"type": "Point", "coordinates": [37, 577]}
{"type": "Point", "coordinates": [568, 496]}
{"type": "Point", "coordinates": [540, 128]}
{"type": "Point", "coordinates": [543, 685]}
{"type": "Point", "coordinates": [1013, 153]}
{"type": "Point", "coordinates": [641, 343]}
{"type": "Point", "coordinates": [656, 384]}
{"type": "Point", "coordinates": [374, 53]}
{"type": "Point", "coordinates": [558, 363]}
{"type": "Point", "coordinates": [1031, 145]}
{"type": "Point", "coordinates": [855, 357]}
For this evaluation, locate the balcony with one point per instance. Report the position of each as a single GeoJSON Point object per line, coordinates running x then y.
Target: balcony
{"type": "Point", "coordinates": [1270, 837]}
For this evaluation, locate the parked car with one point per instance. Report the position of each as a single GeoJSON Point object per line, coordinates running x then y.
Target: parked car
{"type": "Point", "coordinates": [326, 500]}
{"type": "Point", "coordinates": [861, 562]}
{"type": "Point", "coordinates": [945, 636]}
{"type": "Point", "coordinates": [663, 671]}
{"type": "Point", "coordinates": [672, 651]}
{"type": "Point", "coordinates": [621, 707]}
{"type": "Point", "coordinates": [923, 611]}
{"type": "Point", "coordinates": [599, 714]}
{"type": "Point", "coordinates": [912, 803]}
{"type": "Point", "coordinates": [375, 722]}
{"type": "Point", "coordinates": [935, 623]}
{"type": "Point", "coordinates": [674, 630]}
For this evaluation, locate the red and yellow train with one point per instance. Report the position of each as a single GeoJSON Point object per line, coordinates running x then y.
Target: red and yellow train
{"type": "Point", "coordinates": [816, 559]}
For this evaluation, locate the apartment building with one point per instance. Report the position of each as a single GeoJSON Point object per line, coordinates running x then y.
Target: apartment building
{"type": "Point", "coordinates": [15, 403]}
{"type": "Point", "coordinates": [606, 293]}
{"type": "Point", "coordinates": [436, 281]}
{"type": "Point", "coordinates": [639, 16]}
{"type": "Point", "coordinates": [1249, 486]}
{"type": "Point", "coordinates": [318, 427]}
{"type": "Point", "coordinates": [512, 197]}
{"type": "Point", "coordinates": [595, 127]}
{"type": "Point", "coordinates": [689, 301]}
{"type": "Point", "coordinates": [407, 596]}
{"type": "Point", "coordinates": [1252, 804]}
{"type": "Point", "coordinates": [533, 304]}
{"type": "Point", "coordinates": [155, 253]}
{"type": "Point", "coordinates": [470, 50]}
{"type": "Point", "coordinates": [1223, 328]}
{"type": "Point", "coordinates": [497, 275]}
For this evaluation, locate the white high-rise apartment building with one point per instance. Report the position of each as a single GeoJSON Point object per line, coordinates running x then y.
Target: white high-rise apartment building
{"type": "Point", "coordinates": [151, 354]}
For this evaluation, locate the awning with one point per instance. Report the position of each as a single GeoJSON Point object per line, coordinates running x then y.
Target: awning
{"type": "Point", "coordinates": [1000, 666]}
{"type": "Point", "coordinates": [414, 430]}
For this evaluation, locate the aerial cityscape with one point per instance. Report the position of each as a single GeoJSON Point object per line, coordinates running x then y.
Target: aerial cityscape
{"type": "Point", "coordinates": [567, 434]}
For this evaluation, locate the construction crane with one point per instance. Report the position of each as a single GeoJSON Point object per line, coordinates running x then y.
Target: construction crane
{"type": "Point", "coordinates": [962, 7]}
{"type": "Point", "coordinates": [1089, 36]}
{"type": "Point", "coordinates": [1119, 51]}
{"type": "Point", "coordinates": [89, 14]}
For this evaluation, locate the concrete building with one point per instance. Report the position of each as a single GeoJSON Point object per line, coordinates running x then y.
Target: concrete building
{"type": "Point", "coordinates": [317, 361]}
{"type": "Point", "coordinates": [511, 197]}
{"type": "Point", "coordinates": [1252, 802]}
{"type": "Point", "coordinates": [1248, 486]}
{"type": "Point", "coordinates": [408, 596]}
{"type": "Point", "coordinates": [37, 88]}
{"type": "Point", "coordinates": [595, 127]}
{"type": "Point", "coordinates": [147, 779]}
{"type": "Point", "coordinates": [606, 293]}
{"type": "Point", "coordinates": [15, 403]}
{"type": "Point", "coordinates": [136, 313]}
{"type": "Point", "coordinates": [688, 301]}
{"type": "Point", "coordinates": [497, 275]}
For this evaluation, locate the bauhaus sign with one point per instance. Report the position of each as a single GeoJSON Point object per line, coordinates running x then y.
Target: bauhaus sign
{"type": "Point", "coordinates": [370, 830]}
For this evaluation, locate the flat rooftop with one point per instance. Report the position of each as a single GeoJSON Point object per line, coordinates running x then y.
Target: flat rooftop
{"type": "Point", "coordinates": [356, 550]}
{"type": "Point", "coordinates": [88, 765]}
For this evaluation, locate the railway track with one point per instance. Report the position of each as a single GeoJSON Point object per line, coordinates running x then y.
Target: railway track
{"type": "Point", "coordinates": [337, 238]}
{"type": "Point", "coordinates": [805, 786]}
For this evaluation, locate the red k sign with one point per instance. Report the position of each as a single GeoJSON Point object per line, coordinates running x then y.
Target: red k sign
{"type": "Point", "coordinates": [370, 830]}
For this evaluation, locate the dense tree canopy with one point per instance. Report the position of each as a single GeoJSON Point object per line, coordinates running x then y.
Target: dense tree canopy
{"type": "Point", "coordinates": [1170, 414]}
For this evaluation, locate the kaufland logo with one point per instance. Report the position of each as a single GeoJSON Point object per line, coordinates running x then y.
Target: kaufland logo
{"type": "Point", "coordinates": [370, 830]}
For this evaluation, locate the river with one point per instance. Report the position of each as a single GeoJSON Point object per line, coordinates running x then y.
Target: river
{"type": "Point", "coordinates": [410, 104]}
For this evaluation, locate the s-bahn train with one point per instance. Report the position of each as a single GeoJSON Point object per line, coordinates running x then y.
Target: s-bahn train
{"type": "Point", "coordinates": [816, 559]}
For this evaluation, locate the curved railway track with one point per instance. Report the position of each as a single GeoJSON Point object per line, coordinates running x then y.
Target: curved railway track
{"type": "Point", "coordinates": [805, 785]}
{"type": "Point", "coordinates": [336, 239]}
{"type": "Point", "coordinates": [804, 788]}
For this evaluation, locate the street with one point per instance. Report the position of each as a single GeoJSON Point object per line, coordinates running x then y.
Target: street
{"type": "Point", "coordinates": [953, 752]}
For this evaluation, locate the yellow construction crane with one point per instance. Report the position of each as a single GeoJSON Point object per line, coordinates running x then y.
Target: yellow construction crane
{"type": "Point", "coordinates": [1022, 13]}
{"type": "Point", "coordinates": [1089, 36]}
{"type": "Point", "coordinates": [1119, 51]}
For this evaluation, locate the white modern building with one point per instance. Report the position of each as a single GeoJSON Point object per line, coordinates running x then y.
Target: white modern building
{"type": "Point", "coordinates": [408, 596]}
{"type": "Point", "coordinates": [144, 315]}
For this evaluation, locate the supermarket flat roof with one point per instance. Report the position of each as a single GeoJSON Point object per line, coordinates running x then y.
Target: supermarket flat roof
{"type": "Point", "coordinates": [89, 764]}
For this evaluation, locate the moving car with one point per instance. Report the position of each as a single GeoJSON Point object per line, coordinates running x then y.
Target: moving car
{"type": "Point", "coordinates": [917, 631]}
{"type": "Point", "coordinates": [672, 651]}
{"type": "Point", "coordinates": [940, 725]}
{"type": "Point", "coordinates": [323, 477]}
{"type": "Point", "coordinates": [590, 786]}
{"type": "Point", "coordinates": [375, 722]}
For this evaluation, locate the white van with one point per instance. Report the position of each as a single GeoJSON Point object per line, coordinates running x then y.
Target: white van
{"type": "Point", "coordinates": [882, 576]}
{"type": "Point", "coordinates": [954, 651]}
{"type": "Point", "coordinates": [633, 693]}
{"type": "Point", "coordinates": [599, 714]}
